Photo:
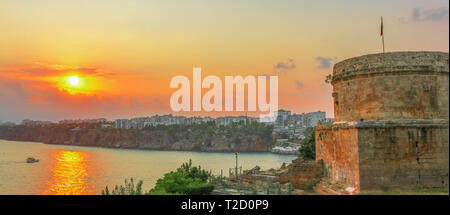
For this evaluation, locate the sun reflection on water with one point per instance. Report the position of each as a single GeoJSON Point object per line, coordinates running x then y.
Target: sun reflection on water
{"type": "Point", "coordinates": [71, 173]}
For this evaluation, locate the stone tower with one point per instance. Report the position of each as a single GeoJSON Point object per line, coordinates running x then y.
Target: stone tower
{"type": "Point", "coordinates": [391, 128]}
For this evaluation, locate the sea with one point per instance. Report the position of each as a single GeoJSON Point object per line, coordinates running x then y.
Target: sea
{"type": "Point", "coordinates": [80, 170]}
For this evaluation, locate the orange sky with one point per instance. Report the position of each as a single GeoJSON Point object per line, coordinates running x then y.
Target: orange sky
{"type": "Point", "coordinates": [126, 52]}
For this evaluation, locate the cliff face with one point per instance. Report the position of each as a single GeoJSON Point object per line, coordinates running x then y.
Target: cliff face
{"type": "Point", "coordinates": [140, 139]}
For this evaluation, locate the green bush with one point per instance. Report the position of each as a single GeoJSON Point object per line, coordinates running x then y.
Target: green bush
{"type": "Point", "coordinates": [194, 172]}
{"type": "Point", "coordinates": [308, 148]}
{"type": "Point", "coordinates": [186, 180]}
{"type": "Point", "coordinates": [199, 189]}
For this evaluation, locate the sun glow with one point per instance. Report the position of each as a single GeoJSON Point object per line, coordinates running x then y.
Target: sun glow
{"type": "Point", "coordinates": [71, 173]}
{"type": "Point", "coordinates": [74, 81]}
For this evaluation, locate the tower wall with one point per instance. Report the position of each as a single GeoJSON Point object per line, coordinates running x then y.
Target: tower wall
{"type": "Point", "coordinates": [392, 86]}
{"type": "Point", "coordinates": [391, 122]}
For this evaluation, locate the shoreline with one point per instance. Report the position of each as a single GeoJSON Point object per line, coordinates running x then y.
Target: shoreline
{"type": "Point", "coordinates": [165, 140]}
{"type": "Point", "coordinates": [147, 149]}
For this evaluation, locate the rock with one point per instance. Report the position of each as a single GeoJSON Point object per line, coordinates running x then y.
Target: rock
{"type": "Point", "coordinates": [32, 160]}
{"type": "Point", "coordinates": [160, 139]}
{"type": "Point", "coordinates": [254, 170]}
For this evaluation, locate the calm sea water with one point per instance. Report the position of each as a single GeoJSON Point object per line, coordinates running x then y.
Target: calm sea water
{"type": "Point", "coordinates": [87, 170]}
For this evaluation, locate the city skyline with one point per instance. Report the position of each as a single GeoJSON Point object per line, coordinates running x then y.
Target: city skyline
{"type": "Point", "coordinates": [84, 59]}
{"type": "Point", "coordinates": [104, 120]}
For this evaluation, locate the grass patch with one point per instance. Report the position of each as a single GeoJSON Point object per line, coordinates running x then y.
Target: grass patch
{"type": "Point", "coordinates": [425, 191]}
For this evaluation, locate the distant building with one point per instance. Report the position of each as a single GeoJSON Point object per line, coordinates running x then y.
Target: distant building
{"type": "Point", "coordinates": [122, 123]}
{"type": "Point", "coordinates": [29, 122]}
{"type": "Point", "coordinates": [7, 123]}
{"type": "Point", "coordinates": [79, 121]}
{"type": "Point", "coordinates": [292, 125]}
{"type": "Point", "coordinates": [282, 115]}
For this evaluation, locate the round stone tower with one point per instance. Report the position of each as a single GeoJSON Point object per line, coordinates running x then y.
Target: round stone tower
{"type": "Point", "coordinates": [391, 127]}
{"type": "Point", "coordinates": [392, 86]}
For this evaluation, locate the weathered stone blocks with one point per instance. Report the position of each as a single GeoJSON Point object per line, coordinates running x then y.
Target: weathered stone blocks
{"type": "Point", "coordinates": [302, 174]}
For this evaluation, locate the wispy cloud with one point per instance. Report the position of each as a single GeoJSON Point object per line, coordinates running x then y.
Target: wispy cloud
{"type": "Point", "coordinates": [34, 99]}
{"type": "Point", "coordinates": [421, 15]}
{"type": "Point", "coordinates": [46, 70]}
{"type": "Point", "coordinates": [325, 62]}
{"type": "Point", "coordinates": [299, 84]}
{"type": "Point", "coordinates": [286, 66]}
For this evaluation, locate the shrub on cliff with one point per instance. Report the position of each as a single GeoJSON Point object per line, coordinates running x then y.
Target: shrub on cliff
{"type": "Point", "coordinates": [308, 148]}
{"type": "Point", "coordinates": [186, 180]}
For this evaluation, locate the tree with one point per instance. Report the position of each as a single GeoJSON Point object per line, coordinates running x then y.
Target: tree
{"type": "Point", "coordinates": [186, 180]}
{"type": "Point", "coordinates": [308, 149]}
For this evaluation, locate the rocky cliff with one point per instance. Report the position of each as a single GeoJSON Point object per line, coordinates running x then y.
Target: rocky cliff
{"type": "Point", "coordinates": [196, 139]}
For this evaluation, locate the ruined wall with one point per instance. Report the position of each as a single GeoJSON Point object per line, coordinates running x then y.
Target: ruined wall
{"type": "Point", "coordinates": [302, 174]}
{"type": "Point", "coordinates": [390, 86]}
{"type": "Point", "coordinates": [406, 156]}
{"type": "Point", "coordinates": [337, 146]}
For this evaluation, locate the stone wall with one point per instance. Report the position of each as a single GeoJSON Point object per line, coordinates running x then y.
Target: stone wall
{"type": "Point", "coordinates": [406, 155]}
{"type": "Point", "coordinates": [302, 174]}
{"type": "Point", "coordinates": [390, 154]}
{"type": "Point", "coordinates": [337, 147]}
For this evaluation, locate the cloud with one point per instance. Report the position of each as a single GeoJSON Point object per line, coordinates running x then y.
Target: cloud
{"type": "Point", "coordinates": [298, 84]}
{"type": "Point", "coordinates": [290, 64]}
{"type": "Point", "coordinates": [284, 67]}
{"type": "Point", "coordinates": [47, 70]}
{"type": "Point", "coordinates": [41, 100]}
{"type": "Point", "coordinates": [420, 15]}
{"type": "Point", "coordinates": [325, 62]}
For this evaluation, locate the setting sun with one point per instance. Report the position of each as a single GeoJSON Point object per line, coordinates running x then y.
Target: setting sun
{"type": "Point", "coordinates": [74, 80]}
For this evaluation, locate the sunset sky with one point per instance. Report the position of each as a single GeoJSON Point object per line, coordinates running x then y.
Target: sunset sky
{"type": "Point", "coordinates": [124, 52]}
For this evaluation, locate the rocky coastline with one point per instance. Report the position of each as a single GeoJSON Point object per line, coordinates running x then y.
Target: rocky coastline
{"type": "Point", "coordinates": [161, 139]}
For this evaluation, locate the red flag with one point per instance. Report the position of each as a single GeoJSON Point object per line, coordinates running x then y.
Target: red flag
{"type": "Point", "coordinates": [381, 26]}
{"type": "Point", "coordinates": [381, 34]}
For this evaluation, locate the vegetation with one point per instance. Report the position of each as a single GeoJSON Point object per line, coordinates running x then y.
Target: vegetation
{"type": "Point", "coordinates": [234, 132]}
{"type": "Point", "coordinates": [425, 191]}
{"type": "Point", "coordinates": [308, 148]}
{"type": "Point", "coordinates": [186, 180]}
{"type": "Point", "coordinates": [129, 189]}
{"type": "Point", "coordinates": [329, 78]}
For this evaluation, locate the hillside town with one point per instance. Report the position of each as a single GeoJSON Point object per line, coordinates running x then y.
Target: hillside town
{"type": "Point", "coordinates": [286, 125]}
{"type": "Point", "coordinates": [291, 126]}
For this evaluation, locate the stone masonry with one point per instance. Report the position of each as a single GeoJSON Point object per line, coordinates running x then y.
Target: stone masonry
{"type": "Point", "coordinates": [302, 174]}
{"type": "Point", "coordinates": [391, 122]}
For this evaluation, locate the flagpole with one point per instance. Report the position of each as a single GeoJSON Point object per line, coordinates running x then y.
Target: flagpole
{"type": "Point", "coordinates": [382, 32]}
